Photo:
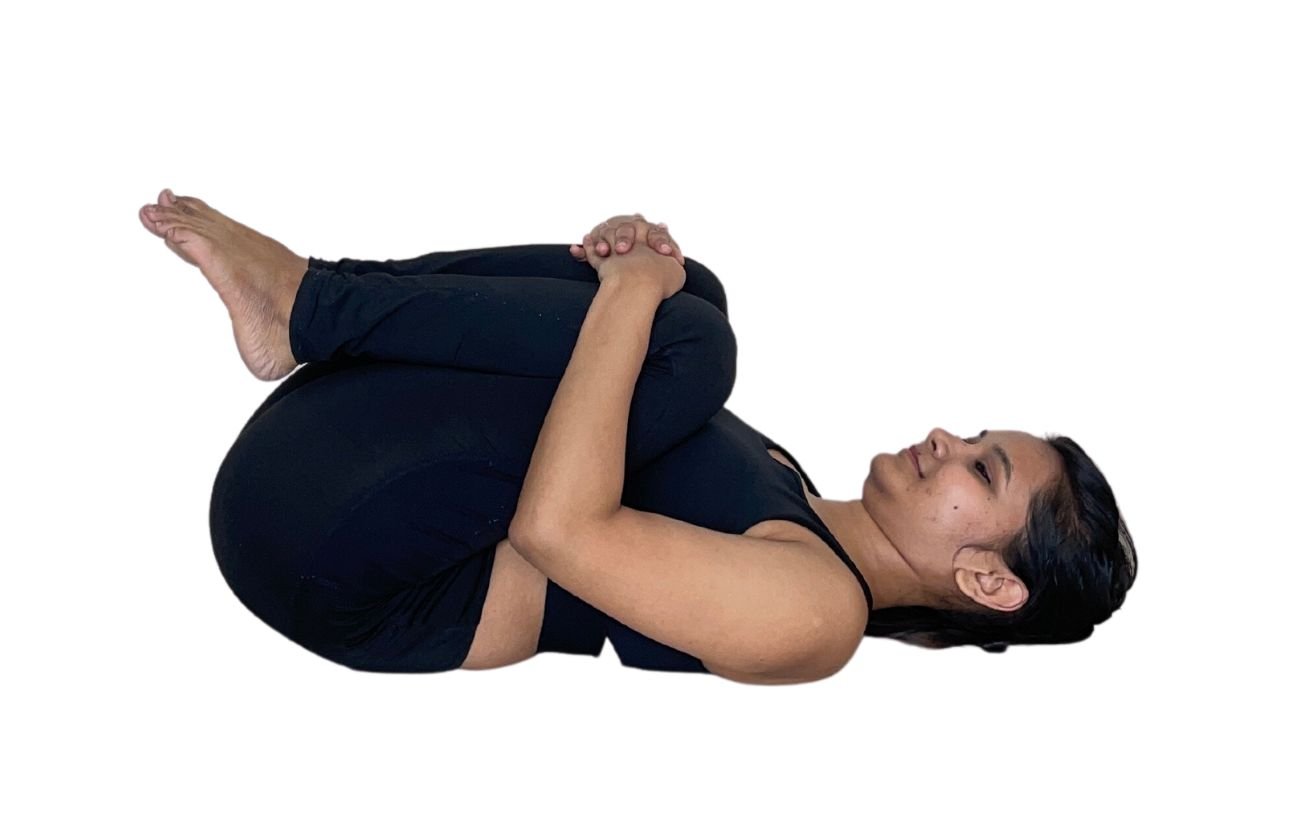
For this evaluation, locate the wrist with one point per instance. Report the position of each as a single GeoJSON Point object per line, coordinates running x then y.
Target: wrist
{"type": "Point", "coordinates": [625, 277]}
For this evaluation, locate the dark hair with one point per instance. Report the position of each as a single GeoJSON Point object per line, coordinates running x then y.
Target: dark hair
{"type": "Point", "coordinates": [1074, 554]}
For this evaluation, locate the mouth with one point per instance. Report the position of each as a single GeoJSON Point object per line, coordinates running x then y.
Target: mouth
{"type": "Point", "coordinates": [916, 460]}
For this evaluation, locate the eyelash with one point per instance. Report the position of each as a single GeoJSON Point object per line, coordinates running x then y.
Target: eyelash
{"type": "Point", "coordinates": [979, 463]}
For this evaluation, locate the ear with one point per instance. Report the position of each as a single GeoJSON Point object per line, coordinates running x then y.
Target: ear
{"type": "Point", "coordinates": [983, 577]}
{"type": "Point", "coordinates": [1002, 591]}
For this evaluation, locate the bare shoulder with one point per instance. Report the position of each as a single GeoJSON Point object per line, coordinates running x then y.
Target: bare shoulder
{"type": "Point", "coordinates": [744, 605]}
{"type": "Point", "coordinates": [840, 584]}
{"type": "Point", "coordinates": [842, 612]}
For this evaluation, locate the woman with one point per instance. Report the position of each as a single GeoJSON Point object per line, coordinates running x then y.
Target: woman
{"type": "Point", "coordinates": [497, 452]}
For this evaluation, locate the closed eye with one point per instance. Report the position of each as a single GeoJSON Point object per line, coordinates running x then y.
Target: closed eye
{"type": "Point", "coordinates": [979, 464]}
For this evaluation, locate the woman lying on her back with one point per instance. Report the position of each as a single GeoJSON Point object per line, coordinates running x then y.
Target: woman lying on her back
{"type": "Point", "coordinates": [496, 452]}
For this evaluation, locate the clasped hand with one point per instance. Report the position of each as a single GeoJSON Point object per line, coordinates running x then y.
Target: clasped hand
{"type": "Point", "coordinates": [636, 241]}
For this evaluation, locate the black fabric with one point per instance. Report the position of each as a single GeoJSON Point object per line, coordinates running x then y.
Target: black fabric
{"type": "Point", "coordinates": [358, 509]}
{"type": "Point", "coordinates": [570, 624]}
{"type": "Point", "coordinates": [812, 520]}
{"type": "Point", "coordinates": [721, 477]}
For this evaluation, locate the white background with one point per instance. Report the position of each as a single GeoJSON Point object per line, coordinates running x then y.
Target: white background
{"type": "Point", "coordinates": [1067, 218]}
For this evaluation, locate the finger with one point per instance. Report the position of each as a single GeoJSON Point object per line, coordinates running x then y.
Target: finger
{"type": "Point", "coordinates": [662, 242]}
{"type": "Point", "coordinates": [625, 236]}
{"type": "Point", "coordinates": [577, 252]}
{"type": "Point", "coordinates": [607, 237]}
{"type": "Point", "coordinates": [675, 250]}
{"type": "Point", "coordinates": [602, 246]}
{"type": "Point", "coordinates": [589, 246]}
{"type": "Point", "coordinates": [592, 242]}
{"type": "Point", "coordinates": [657, 238]}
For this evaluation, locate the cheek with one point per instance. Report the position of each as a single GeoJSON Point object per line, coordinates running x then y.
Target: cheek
{"type": "Point", "coordinates": [962, 495]}
{"type": "Point", "coordinates": [961, 507]}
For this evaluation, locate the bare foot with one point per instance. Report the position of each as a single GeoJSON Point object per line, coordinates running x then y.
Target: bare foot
{"type": "Point", "coordinates": [257, 277]}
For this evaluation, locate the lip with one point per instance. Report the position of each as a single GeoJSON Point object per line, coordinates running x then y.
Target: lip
{"type": "Point", "coordinates": [916, 460]}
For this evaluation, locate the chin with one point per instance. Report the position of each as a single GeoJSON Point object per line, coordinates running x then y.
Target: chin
{"type": "Point", "coordinates": [880, 465]}
{"type": "Point", "coordinates": [869, 485]}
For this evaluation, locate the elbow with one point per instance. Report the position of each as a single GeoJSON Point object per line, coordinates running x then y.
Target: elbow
{"type": "Point", "coordinates": [541, 536]}
{"type": "Point", "coordinates": [524, 534]}
{"type": "Point", "coordinates": [533, 535]}
{"type": "Point", "coordinates": [809, 652]}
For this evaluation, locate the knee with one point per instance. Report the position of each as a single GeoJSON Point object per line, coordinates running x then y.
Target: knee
{"type": "Point", "coordinates": [698, 345]}
{"type": "Point", "coordinates": [702, 283]}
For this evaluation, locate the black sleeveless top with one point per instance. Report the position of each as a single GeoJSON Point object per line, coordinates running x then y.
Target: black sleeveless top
{"type": "Point", "coordinates": [720, 477]}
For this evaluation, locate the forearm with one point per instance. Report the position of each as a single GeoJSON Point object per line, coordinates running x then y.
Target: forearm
{"type": "Point", "coordinates": [577, 466]}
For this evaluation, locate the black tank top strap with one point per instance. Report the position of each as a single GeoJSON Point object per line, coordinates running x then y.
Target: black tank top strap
{"type": "Point", "coordinates": [812, 520]}
{"type": "Point", "coordinates": [727, 476]}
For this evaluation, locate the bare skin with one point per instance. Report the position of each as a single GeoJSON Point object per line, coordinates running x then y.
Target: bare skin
{"type": "Point", "coordinates": [256, 276]}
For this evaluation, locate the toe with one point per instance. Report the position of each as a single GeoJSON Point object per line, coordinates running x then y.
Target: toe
{"type": "Point", "coordinates": [148, 221]}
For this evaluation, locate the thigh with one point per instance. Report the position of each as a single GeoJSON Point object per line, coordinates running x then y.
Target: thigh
{"type": "Point", "coordinates": [401, 584]}
{"type": "Point", "coordinates": [359, 515]}
{"type": "Point", "coordinates": [539, 260]}
{"type": "Point", "coordinates": [524, 260]}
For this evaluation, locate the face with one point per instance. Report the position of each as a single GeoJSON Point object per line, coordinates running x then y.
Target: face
{"type": "Point", "coordinates": [966, 494]}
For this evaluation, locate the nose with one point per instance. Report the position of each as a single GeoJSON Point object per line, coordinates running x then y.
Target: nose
{"type": "Point", "coordinates": [935, 440]}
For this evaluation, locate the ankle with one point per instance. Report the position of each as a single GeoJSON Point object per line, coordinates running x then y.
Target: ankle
{"type": "Point", "coordinates": [294, 271]}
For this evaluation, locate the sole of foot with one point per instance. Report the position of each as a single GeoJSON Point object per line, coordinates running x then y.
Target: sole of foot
{"type": "Point", "coordinates": [255, 276]}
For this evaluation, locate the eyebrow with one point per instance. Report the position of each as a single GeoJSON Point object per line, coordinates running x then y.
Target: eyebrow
{"type": "Point", "coordinates": [1006, 461]}
{"type": "Point", "coordinates": [1002, 455]}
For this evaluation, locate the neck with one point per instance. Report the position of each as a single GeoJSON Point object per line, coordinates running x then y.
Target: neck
{"type": "Point", "coordinates": [894, 583]}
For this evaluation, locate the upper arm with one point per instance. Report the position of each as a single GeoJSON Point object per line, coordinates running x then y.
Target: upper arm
{"type": "Point", "coordinates": [744, 606]}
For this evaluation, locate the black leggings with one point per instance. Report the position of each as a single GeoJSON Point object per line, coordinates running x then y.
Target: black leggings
{"type": "Point", "coordinates": [358, 510]}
